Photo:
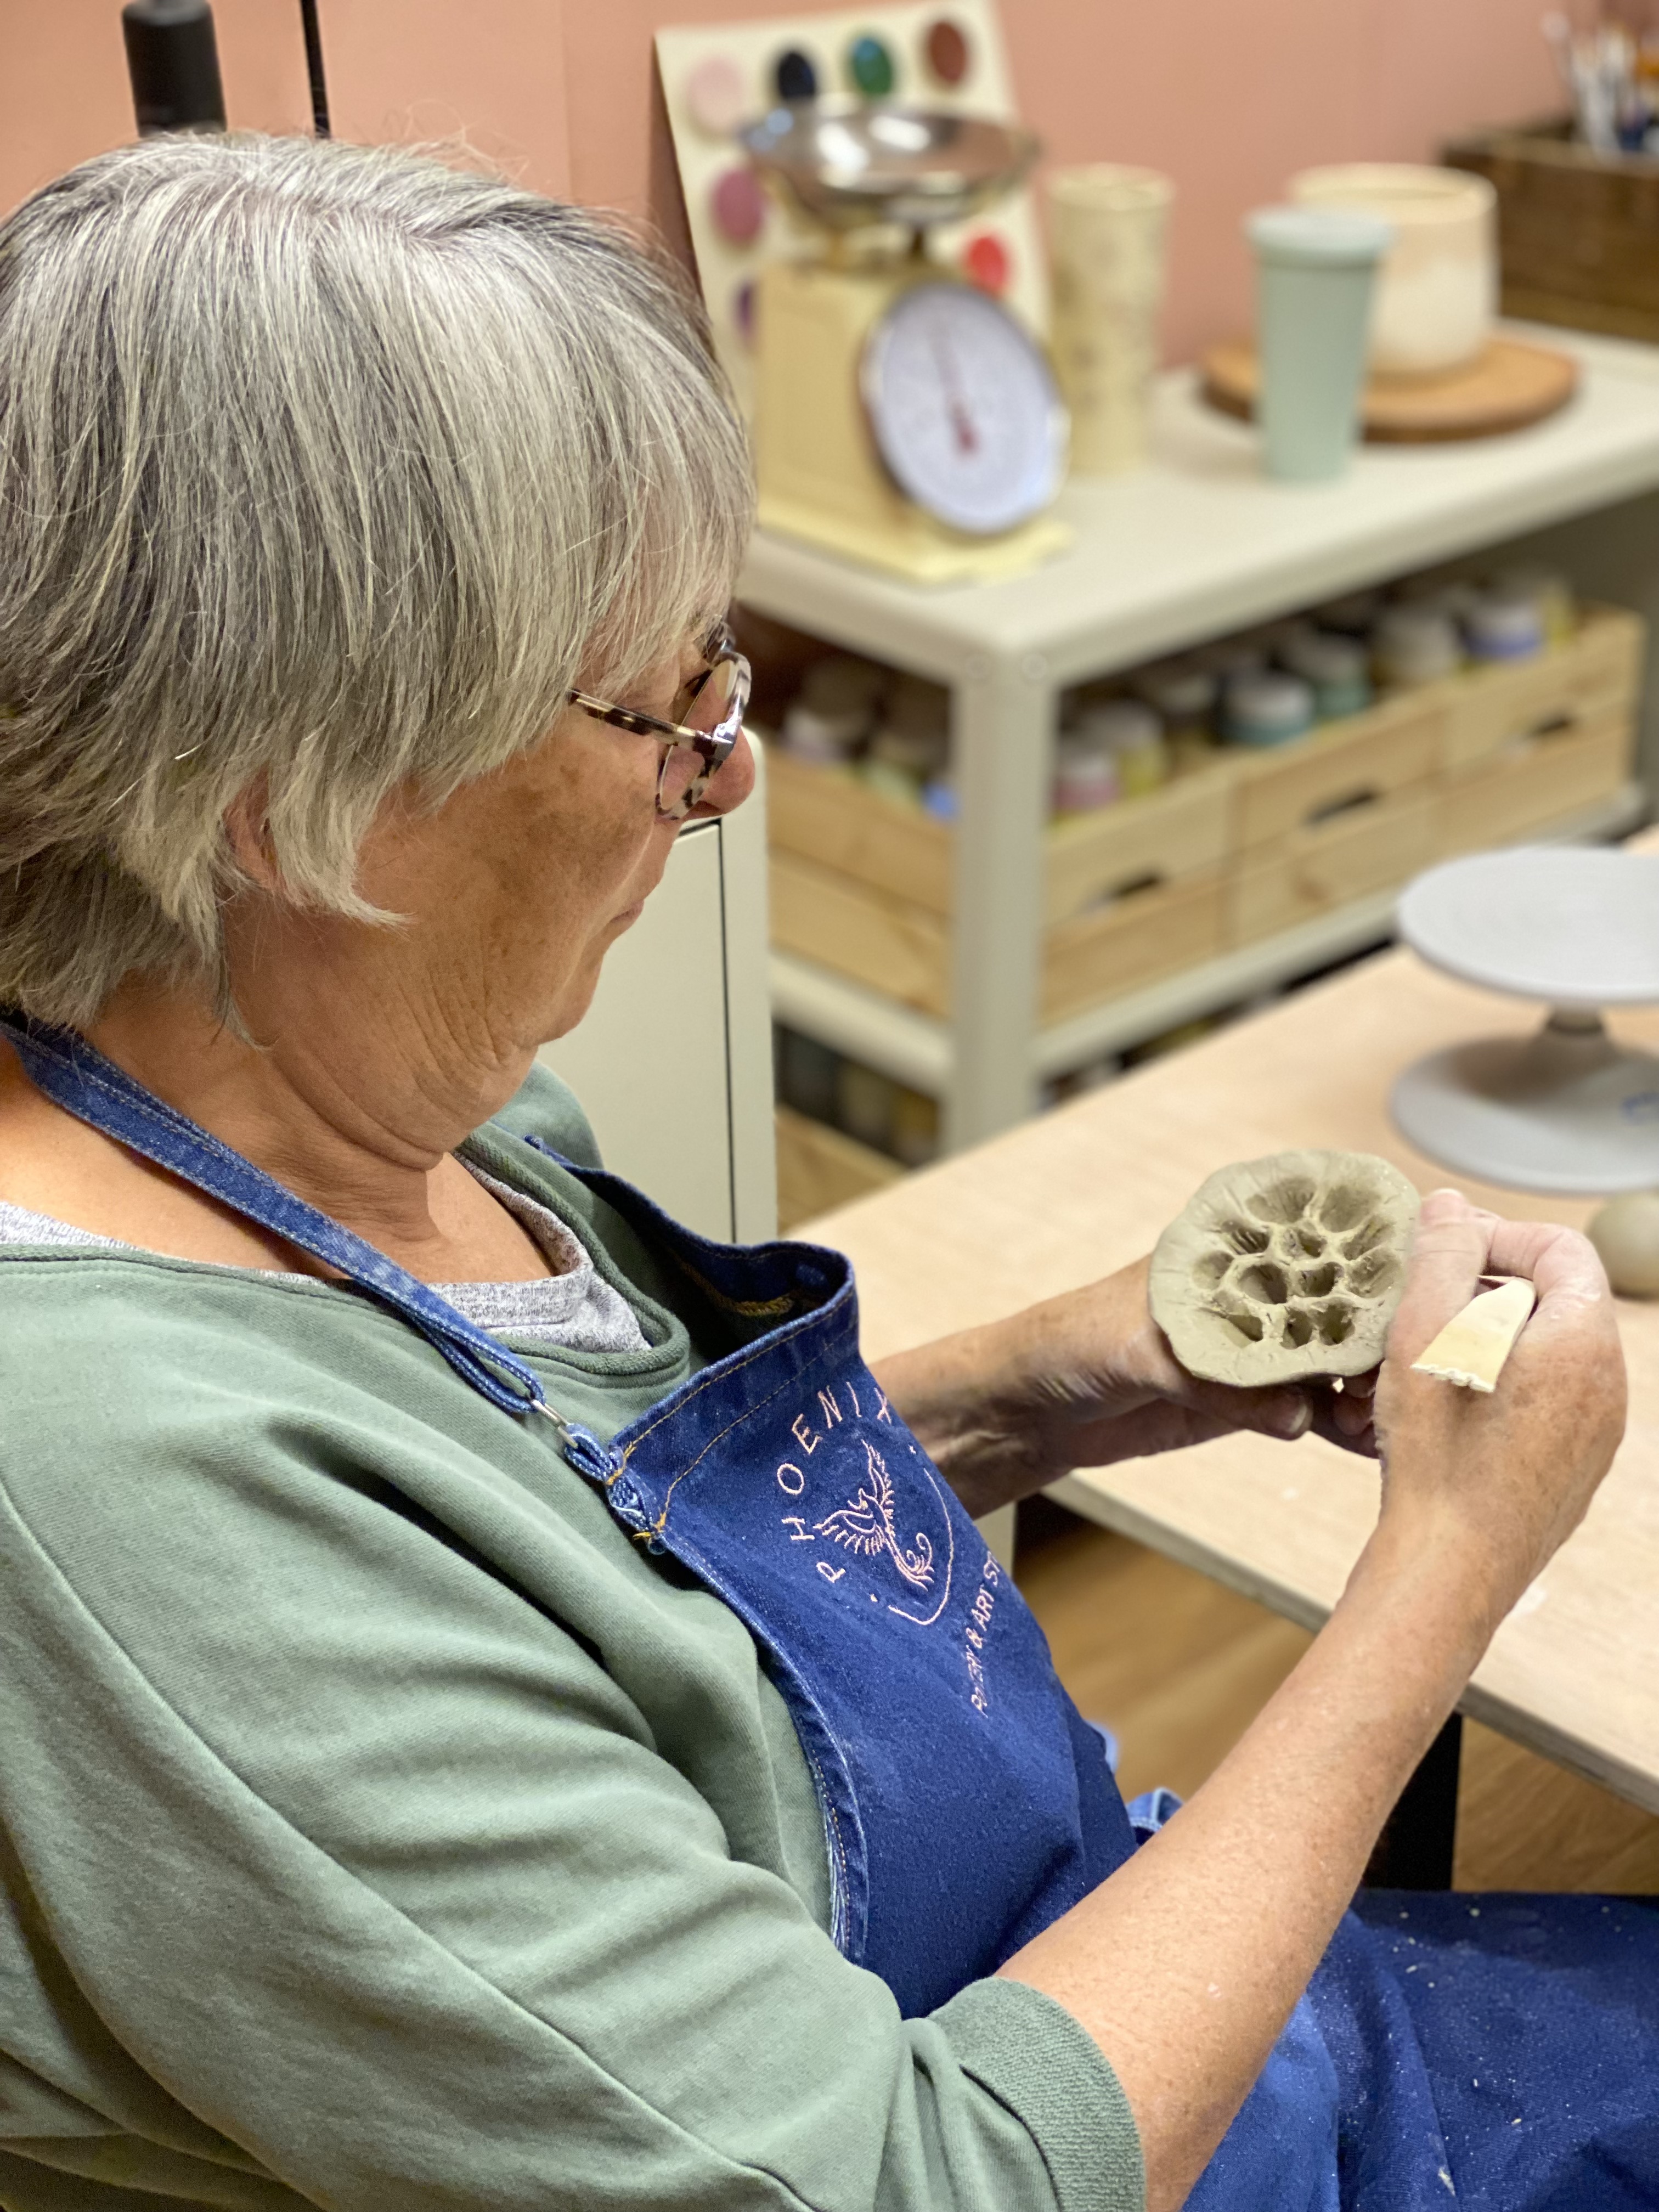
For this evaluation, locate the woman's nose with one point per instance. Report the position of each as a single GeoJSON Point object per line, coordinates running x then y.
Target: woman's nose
{"type": "Point", "coordinates": [734, 782]}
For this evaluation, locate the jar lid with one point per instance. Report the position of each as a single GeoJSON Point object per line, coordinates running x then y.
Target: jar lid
{"type": "Point", "coordinates": [1270, 700]}
{"type": "Point", "coordinates": [1179, 694]}
{"type": "Point", "coordinates": [1414, 628]}
{"type": "Point", "coordinates": [1082, 748]}
{"type": "Point", "coordinates": [1322, 656]}
{"type": "Point", "coordinates": [1124, 726]}
{"type": "Point", "coordinates": [822, 736]}
{"type": "Point", "coordinates": [1500, 626]}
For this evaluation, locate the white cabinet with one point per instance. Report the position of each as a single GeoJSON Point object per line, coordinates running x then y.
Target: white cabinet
{"type": "Point", "coordinates": [673, 1060]}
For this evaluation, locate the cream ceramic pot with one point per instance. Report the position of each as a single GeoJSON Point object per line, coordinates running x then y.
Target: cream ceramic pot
{"type": "Point", "coordinates": [1436, 290]}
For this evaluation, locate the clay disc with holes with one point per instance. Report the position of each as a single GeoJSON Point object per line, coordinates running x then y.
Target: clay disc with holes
{"type": "Point", "coordinates": [1286, 1267]}
{"type": "Point", "coordinates": [1504, 388]}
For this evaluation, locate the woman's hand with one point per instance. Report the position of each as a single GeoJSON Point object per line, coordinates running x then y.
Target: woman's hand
{"type": "Point", "coordinates": [1185, 1963]}
{"type": "Point", "coordinates": [1081, 1381]}
{"type": "Point", "coordinates": [1497, 1483]}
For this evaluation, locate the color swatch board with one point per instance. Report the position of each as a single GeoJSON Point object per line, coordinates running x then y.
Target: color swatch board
{"type": "Point", "coordinates": [948, 54]}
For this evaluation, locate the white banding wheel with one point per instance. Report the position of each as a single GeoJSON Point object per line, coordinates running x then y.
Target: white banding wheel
{"type": "Point", "coordinates": [1569, 1109]}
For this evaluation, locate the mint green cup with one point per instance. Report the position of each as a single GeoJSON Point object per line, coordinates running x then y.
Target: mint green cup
{"type": "Point", "coordinates": [1315, 270]}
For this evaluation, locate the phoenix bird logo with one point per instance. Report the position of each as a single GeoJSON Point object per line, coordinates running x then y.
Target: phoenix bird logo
{"type": "Point", "coordinates": [865, 1525]}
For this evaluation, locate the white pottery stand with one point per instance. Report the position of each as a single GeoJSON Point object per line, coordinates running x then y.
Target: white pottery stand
{"type": "Point", "coordinates": [1568, 1109]}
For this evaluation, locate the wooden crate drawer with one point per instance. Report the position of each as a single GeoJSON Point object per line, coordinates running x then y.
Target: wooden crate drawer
{"type": "Point", "coordinates": [1183, 829]}
{"type": "Point", "coordinates": [1313, 871]}
{"type": "Point", "coordinates": [1488, 708]}
{"type": "Point", "coordinates": [1134, 940]}
{"type": "Point", "coordinates": [903, 951]}
{"type": "Point", "coordinates": [1362, 758]}
{"type": "Point", "coordinates": [832, 819]}
{"type": "Point", "coordinates": [886, 943]}
{"type": "Point", "coordinates": [1536, 783]}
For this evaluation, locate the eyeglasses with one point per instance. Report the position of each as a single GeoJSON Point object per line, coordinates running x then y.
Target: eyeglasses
{"type": "Point", "coordinates": [698, 739]}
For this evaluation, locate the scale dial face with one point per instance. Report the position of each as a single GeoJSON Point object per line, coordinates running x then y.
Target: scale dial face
{"type": "Point", "coordinates": [964, 409]}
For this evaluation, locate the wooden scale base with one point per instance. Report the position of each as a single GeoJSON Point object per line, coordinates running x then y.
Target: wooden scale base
{"type": "Point", "coordinates": [820, 477]}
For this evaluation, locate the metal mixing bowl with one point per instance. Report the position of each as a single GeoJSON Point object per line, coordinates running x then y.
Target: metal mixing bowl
{"type": "Point", "coordinates": [848, 163]}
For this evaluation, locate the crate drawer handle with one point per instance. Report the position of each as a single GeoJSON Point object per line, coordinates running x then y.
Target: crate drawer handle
{"type": "Point", "coordinates": [1349, 802]}
{"type": "Point", "coordinates": [1130, 887]}
{"type": "Point", "coordinates": [1528, 741]}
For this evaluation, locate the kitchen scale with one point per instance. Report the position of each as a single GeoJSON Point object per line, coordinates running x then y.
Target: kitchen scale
{"type": "Point", "coordinates": [1569, 1109]}
{"type": "Point", "coordinates": [904, 416]}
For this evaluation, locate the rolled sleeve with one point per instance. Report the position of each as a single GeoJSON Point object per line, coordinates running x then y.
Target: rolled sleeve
{"type": "Point", "coordinates": [1031, 2055]}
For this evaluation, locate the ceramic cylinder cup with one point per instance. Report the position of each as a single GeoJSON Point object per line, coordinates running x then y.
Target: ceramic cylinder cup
{"type": "Point", "coordinates": [1315, 270]}
{"type": "Point", "coordinates": [1437, 292]}
{"type": "Point", "coordinates": [1107, 228]}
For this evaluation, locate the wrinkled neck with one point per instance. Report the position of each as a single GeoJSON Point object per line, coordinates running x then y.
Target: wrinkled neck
{"type": "Point", "coordinates": [353, 1106]}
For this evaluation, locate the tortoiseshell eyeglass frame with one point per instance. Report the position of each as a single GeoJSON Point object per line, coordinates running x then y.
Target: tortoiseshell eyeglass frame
{"type": "Point", "coordinates": [714, 747]}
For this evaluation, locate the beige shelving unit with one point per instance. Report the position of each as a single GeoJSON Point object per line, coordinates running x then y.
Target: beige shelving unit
{"type": "Point", "coordinates": [977, 962]}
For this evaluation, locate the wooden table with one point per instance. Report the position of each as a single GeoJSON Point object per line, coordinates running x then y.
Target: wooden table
{"type": "Point", "coordinates": [1574, 1672]}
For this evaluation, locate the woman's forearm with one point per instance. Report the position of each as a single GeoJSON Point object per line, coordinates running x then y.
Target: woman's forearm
{"type": "Point", "coordinates": [1081, 1380]}
{"type": "Point", "coordinates": [1186, 1964]}
{"type": "Point", "coordinates": [946, 1393]}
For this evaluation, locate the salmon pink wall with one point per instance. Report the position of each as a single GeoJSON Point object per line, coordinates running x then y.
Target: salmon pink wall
{"type": "Point", "coordinates": [491, 69]}
{"type": "Point", "coordinates": [1228, 96]}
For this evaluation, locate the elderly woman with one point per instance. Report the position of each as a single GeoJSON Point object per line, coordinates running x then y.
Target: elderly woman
{"type": "Point", "coordinates": [497, 1707]}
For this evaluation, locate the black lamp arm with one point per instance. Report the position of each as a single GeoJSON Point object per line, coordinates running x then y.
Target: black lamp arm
{"type": "Point", "coordinates": [315, 68]}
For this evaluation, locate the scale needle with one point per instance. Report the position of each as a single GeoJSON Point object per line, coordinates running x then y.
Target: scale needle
{"type": "Point", "coordinates": [962, 421]}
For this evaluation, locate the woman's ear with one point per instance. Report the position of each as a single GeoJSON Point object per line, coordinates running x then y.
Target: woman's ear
{"type": "Point", "coordinates": [247, 831]}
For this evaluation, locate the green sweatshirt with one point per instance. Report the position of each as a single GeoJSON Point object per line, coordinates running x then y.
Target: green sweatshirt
{"type": "Point", "coordinates": [381, 1829]}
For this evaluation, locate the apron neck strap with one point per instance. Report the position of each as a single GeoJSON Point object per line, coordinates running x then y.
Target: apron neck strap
{"type": "Point", "coordinates": [77, 1076]}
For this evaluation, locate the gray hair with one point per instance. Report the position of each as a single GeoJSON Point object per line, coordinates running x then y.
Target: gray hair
{"type": "Point", "coordinates": [325, 467]}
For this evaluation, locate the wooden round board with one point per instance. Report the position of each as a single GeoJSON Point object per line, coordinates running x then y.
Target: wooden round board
{"type": "Point", "coordinates": [1508, 386]}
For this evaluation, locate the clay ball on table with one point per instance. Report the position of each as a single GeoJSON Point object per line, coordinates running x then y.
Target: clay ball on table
{"type": "Point", "coordinates": [1626, 1232]}
{"type": "Point", "coordinates": [1286, 1267]}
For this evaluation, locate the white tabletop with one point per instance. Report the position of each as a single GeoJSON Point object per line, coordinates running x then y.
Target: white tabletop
{"type": "Point", "coordinates": [1559, 927]}
{"type": "Point", "coordinates": [1198, 542]}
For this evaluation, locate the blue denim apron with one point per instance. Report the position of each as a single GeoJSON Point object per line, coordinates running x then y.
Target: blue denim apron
{"type": "Point", "coordinates": [1500, 2051]}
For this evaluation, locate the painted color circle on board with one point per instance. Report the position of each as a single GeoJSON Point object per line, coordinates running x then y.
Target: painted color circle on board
{"type": "Point", "coordinates": [795, 76]}
{"type": "Point", "coordinates": [717, 95]}
{"type": "Point", "coordinates": [740, 206]}
{"type": "Point", "coordinates": [743, 310]}
{"type": "Point", "coordinates": [985, 260]}
{"type": "Point", "coordinates": [870, 66]}
{"type": "Point", "coordinates": [945, 45]}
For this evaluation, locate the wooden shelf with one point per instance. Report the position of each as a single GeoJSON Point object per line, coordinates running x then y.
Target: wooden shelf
{"type": "Point", "coordinates": [916, 1049]}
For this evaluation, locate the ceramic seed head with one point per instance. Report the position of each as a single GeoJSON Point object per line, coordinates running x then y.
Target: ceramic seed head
{"type": "Point", "coordinates": [1286, 1268]}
